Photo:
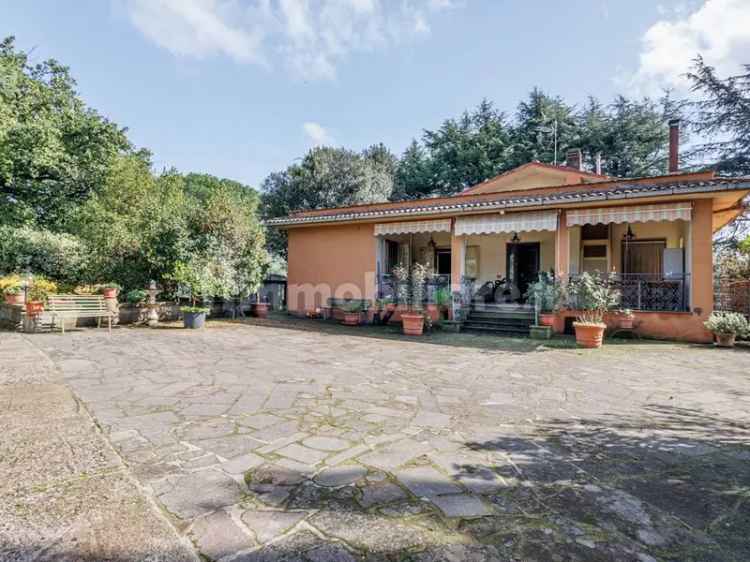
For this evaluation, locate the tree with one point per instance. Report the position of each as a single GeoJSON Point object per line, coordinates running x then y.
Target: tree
{"type": "Point", "coordinates": [723, 114]}
{"type": "Point", "coordinates": [631, 135]}
{"type": "Point", "coordinates": [140, 227]}
{"type": "Point", "coordinates": [326, 177]}
{"type": "Point", "coordinates": [723, 111]}
{"type": "Point", "coordinates": [54, 150]}
{"type": "Point", "coordinates": [463, 152]}
{"type": "Point", "coordinates": [533, 136]}
{"type": "Point", "coordinates": [413, 174]}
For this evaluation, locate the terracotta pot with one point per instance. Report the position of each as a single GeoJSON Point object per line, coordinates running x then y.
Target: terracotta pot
{"type": "Point", "coordinates": [589, 335]}
{"type": "Point", "coordinates": [547, 318]}
{"type": "Point", "coordinates": [413, 323]}
{"type": "Point", "coordinates": [14, 299]}
{"type": "Point", "coordinates": [109, 293]}
{"type": "Point", "coordinates": [724, 340]}
{"type": "Point", "coordinates": [260, 309]}
{"type": "Point", "coordinates": [626, 322]}
{"type": "Point", "coordinates": [351, 319]}
{"type": "Point", "coordinates": [34, 307]}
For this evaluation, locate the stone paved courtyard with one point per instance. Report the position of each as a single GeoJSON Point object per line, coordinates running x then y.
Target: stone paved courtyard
{"type": "Point", "coordinates": [273, 442]}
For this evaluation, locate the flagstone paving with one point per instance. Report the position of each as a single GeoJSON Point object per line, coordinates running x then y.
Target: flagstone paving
{"type": "Point", "coordinates": [277, 443]}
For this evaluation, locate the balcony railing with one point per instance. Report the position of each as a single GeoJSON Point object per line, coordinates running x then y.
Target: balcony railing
{"type": "Point", "coordinates": [388, 287]}
{"type": "Point", "coordinates": [653, 292]}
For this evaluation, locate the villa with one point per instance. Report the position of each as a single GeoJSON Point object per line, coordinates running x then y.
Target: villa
{"type": "Point", "coordinates": [653, 233]}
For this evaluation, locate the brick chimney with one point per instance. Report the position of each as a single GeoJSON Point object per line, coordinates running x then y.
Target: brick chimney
{"type": "Point", "coordinates": [674, 146]}
{"type": "Point", "coordinates": [574, 159]}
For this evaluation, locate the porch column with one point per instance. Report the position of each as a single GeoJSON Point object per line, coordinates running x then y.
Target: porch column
{"type": "Point", "coordinates": [562, 248]}
{"type": "Point", "coordinates": [458, 251]}
{"type": "Point", "coordinates": [701, 254]}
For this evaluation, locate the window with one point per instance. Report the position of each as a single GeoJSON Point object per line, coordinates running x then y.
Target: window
{"type": "Point", "coordinates": [595, 256]}
{"type": "Point", "coordinates": [443, 262]}
{"type": "Point", "coordinates": [471, 262]}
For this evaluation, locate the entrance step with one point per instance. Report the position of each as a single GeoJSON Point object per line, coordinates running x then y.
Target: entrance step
{"type": "Point", "coordinates": [500, 319]}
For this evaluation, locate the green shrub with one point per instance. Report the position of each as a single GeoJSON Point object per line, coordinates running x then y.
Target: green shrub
{"type": "Point", "coordinates": [136, 296]}
{"type": "Point", "coordinates": [57, 256]}
{"type": "Point", "coordinates": [728, 324]}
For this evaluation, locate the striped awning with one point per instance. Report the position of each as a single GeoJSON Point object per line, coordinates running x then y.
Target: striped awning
{"type": "Point", "coordinates": [635, 213]}
{"type": "Point", "coordinates": [511, 222]}
{"type": "Point", "coordinates": [413, 227]}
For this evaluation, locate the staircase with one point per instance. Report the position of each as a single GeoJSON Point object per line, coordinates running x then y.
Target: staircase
{"type": "Point", "coordinates": [500, 319]}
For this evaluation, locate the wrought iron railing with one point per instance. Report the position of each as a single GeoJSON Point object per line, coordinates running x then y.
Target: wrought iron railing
{"type": "Point", "coordinates": [388, 287]}
{"type": "Point", "coordinates": [652, 292]}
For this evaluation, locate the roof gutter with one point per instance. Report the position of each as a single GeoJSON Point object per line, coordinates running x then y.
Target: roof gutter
{"type": "Point", "coordinates": [621, 194]}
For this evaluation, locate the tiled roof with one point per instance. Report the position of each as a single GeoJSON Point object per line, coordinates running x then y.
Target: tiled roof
{"type": "Point", "coordinates": [620, 191]}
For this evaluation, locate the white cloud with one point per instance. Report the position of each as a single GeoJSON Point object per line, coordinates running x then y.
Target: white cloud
{"type": "Point", "coordinates": [309, 37]}
{"type": "Point", "coordinates": [317, 134]}
{"type": "Point", "coordinates": [718, 30]}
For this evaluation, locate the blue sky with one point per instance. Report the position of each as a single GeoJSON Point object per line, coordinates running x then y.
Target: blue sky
{"type": "Point", "coordinates": [240, 88]}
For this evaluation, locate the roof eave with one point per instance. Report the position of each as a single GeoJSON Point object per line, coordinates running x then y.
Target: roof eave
{"type": "Point", "coordinates": [562, 200]}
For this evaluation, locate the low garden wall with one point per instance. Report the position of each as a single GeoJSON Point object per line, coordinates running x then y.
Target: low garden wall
{"type": "Point", "coordinates": [680, 326]}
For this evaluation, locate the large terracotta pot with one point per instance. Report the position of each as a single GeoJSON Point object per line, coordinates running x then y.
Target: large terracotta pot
{"type": "Point", "coordinates": [626, 322]}
{"type": "Point", "coordinates": [260, 309]}
{"type": "Point", "coordinates": [589, 335]}
{"type": "Point", "coordinates": [14, 299]}
{"type": "Point", "coordinates": [547, 318]}
{"type": "Point", "coordinates": [724, 340]}
{"type": "Point", "coordinates": [109, 293]}
{"type": "Point", "coordinates": [34, 307]}
{"type": "Point", "coordinates": [351, 319]}
{"type": "Point", "coordinates": [413, 323]}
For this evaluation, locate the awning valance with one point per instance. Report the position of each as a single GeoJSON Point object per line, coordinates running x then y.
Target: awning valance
{"type": "Point", "coordinates": [635, 213]}
{"type": "Point", "coordinates": [413, 227]}
{"type": "Point", "coordinates": [511, 222]}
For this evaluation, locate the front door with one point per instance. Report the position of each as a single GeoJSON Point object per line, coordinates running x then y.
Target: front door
{"type": "Point", "coordinates": [522, 264]}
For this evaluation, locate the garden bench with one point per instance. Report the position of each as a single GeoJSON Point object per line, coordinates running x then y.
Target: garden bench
{"type": "Point", "coordinates": [79, 306]}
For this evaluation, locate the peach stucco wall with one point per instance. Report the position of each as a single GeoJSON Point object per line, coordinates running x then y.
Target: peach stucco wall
{"type": "Point", "coordinates": [682, 326]}
{"type": "Point", "coordinates": [330, 261]}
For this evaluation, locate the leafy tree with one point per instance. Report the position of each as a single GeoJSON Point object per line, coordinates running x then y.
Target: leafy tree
{"type": "Point", "coordinates": [57, 256]}
{"type": "Point", "coordinates": [326, 177]}
{"type": "Point", "coordinates": [54, 150]}
{"type": "Point", "coordinates": [140, 227]}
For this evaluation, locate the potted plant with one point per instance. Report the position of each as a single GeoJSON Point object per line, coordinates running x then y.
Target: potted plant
{"type": "Point", "coordinates": [259, 308]}
{"type": "Point", "coordinates": [37, 294]}
{"type": "Point", "coordinates": [194, 317]}
{"type": "Point", "coordinates": [136, 297]}
{"type": "Point", "coordinates": [443, 301]}
{"type": "Point", "coordinates": [352, 313]}
{"type": "Point", "coordinates": [413, 318]}
{"type": "Point", "coordinates": [545, 295]}
{"type": "Point", "coordinates": [726, 326]}
{"type": "Point", "coordinates": [109, 290]}
{"type": "Point", "coordinates": [593, 296]}
{"type": "Point", "coordinates": [626, 319]}
{"type": "Point", "coordinates": [12, 288]}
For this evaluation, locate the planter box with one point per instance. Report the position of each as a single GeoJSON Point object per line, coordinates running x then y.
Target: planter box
{"type": "Point", "coordinates": [194, 320]}
{"type": "Point", "coordinates": [540, 332]}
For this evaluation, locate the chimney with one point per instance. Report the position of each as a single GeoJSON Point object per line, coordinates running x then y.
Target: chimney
{"type": "Point", "coordinates": [674, 146]}
{"type": "Point", "coordinates": [599, 163]}
{"type": "Point", "coordinates": [574, 159]}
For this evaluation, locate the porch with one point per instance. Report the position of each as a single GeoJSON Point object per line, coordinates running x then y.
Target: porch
{"type": "Point", "coordinates": [492, 258]}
